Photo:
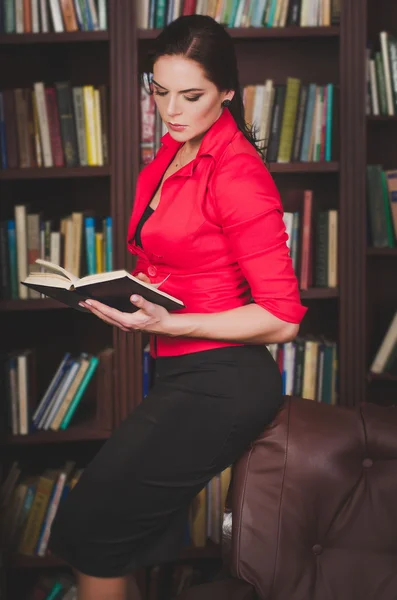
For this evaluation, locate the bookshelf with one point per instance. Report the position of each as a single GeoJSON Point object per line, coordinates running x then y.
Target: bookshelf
{"type": "Point", "coordinates": [379, 287]}
{"type": "Point", "coordinates": [115, 57]}
{"type": "Point", "coordinates": [247, 33]}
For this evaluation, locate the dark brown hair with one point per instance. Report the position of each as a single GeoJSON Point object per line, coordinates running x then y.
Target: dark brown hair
{"type": "Point", "coordinates": [202, 39]}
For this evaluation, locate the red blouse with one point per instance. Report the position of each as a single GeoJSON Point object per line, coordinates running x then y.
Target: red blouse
{"type": "Point", "coordinates": [218, 233]}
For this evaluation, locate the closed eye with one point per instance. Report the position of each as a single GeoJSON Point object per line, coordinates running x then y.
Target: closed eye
{"type": "Point", "coordinates": [188, 98]}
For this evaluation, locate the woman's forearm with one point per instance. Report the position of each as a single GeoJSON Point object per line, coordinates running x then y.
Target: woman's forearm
{"type": "Point", "coordinates": [250, 324]}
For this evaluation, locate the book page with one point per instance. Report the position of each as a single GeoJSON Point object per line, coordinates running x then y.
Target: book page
{"type": "Point", "coordinates": [49, 266]}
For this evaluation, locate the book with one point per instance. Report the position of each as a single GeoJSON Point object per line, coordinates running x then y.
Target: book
{"type": "Point", "coordinates": [113, 288]}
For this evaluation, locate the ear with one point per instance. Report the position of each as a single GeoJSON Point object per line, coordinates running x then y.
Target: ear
{"type": "Point", "coordinates": [229, 95]}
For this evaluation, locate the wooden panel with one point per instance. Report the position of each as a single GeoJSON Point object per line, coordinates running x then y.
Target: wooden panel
{"type": "Point", "coordinates": [278, 59]}
{"type": "Point", "coordinates": [55, 197]}
{"type": "Point", "coordinates": [381, 142]}
{"type": "Point", "coordinates": [244, 33]}
{"type": "Point", "coordinates": [352, 363]}
{"type": "Point", "coordinates": [53, 173]}
{"type": "Point", "coordinates": [125, 146]}
{"type": "Point", "coordinates": [53, 38]}
{"type": "Point", "coordinates": [81, 63]}
{"type": "Point", "coordinates": [382, 16]}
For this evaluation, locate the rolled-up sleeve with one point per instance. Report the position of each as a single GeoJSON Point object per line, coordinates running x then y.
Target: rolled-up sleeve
{"type": "Point", "coordinates": [251, 215]}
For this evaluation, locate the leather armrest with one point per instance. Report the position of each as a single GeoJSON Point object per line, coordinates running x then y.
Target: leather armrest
{"type": "Point", "coordinates": [226, 589]}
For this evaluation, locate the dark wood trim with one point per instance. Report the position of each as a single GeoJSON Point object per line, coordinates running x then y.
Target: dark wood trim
{"type": "Point", "coordinates": [124, 148]}
{"type": "Point", "coordinates": [54, 173]}
{"type": "Point", "coordinates": [304, 167]}
{"type": "Point", "coordinates": [381, 377]}
{"type": "Point", "coordinates": [53, 38]}
{"type": "Point", "coordinates": [247, 33]}
{"type": "Point", "coordinates": [382, 252]}
{"type": "Point", "coordinates": [352, 211]}
{"type": "Point", "coordinates": [39, 304]}
{"type": "Point", "coordinates": [34, 562]}
{"type": "Point", "coordinates": [76, 433]}
{"type": "Point", "coordinates": [319, 293]}
{"type": "Point", "coordinates": [383, 118]}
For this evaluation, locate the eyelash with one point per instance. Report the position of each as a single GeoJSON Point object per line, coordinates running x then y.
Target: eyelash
{"type": "Point", "coordinates": [193, 99]}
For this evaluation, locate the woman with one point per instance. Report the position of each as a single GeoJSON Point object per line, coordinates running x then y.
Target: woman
{"type": "Point", "coordinates": [207, 219]}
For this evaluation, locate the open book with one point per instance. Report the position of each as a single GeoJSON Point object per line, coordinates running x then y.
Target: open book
{"type": "Point", "coordinates": [113, 288]}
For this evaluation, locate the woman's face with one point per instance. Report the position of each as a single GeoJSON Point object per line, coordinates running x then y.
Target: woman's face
{"type": "Point", "coordinates": [187, 101]}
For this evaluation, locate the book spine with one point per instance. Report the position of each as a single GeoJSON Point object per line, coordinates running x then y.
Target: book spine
{"type": "Point", "coordinates": [89, 226]}
{"type": "Point", "coordinates": [75, 402]}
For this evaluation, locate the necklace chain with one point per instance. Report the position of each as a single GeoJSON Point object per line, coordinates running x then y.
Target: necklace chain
{"type": "Point", "coordinates": [180, 152]}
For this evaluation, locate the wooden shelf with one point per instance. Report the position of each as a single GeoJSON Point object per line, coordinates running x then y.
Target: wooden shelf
{"type": "Point", "coordinates": [319, 293]}
{"type": "Point", "coordinates": [388, 118]}
{"type": "Point", "coordinates": [382, 251]}
{"type": "Point", "coordinates": [212, 551]}
{"type": "Point", "coordinates": [247, 33]}
{"type": "Point", "coordinates": [381, 377]}
{"type": "Point", "coordinates": [54, 173]}
{"type": "Point", "coordinates": [53, 38]}
{"type": "Point", "coordinates": [35, 562]}
{"type": "Point", "coordinates": [304, 167]}
{"type": "Point", "coordinates": [75, 433]}
{"type": "Point", "coordinates": [37, 304]}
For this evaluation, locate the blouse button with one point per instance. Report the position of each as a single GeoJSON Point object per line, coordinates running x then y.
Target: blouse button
{"type": "Point", "coordinates": [152, 271]}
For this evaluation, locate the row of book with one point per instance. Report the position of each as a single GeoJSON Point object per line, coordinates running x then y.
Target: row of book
{"type": "Point", "coordinates": [309, 368]}
{"type": "Point", "coordinates": [382, 77]}
{"type": "Point", "coordinates": [81, 244]}
{"type": "Point", "coordinates": [313, 245]}
{"type": "Point", "coordinates": [382, 206]}
{"type": "Point", "coordinates": [17, 385]}
{"type": "Point", "coordinates": [65, 391]}
{"type": "Point", "coordinates": [54, 125]}
{"type": "Point", "coordinates": [44, 16]}
{"type": "Point", "coordinates": [242, 13]}
{"type": "Point", "coordinates": [30, 503]}
{"type": "Point", "coordinates": [385, 359]}
{"type": "Point", "coordinates": [293, 122]}
{"type": "Point", "coordinates": [55, 410]}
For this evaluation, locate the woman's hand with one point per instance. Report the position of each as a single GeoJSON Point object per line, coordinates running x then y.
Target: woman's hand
{"type": "Point", "coordinates": [150, 317]}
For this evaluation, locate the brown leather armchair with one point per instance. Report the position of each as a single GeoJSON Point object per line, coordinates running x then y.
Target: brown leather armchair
{"type": "Point", "coordinates": [314, 509]}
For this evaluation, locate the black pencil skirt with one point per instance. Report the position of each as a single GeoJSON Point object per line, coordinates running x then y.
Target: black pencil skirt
{"type": "Point", "coordinates": [130, 506]}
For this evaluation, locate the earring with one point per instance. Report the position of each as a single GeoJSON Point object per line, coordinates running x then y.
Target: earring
{"type": "Point", "coordinates": [226, 103]}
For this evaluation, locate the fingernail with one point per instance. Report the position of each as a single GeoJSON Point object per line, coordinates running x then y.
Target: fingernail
{"type": "Point", "coordinates": [88, 302]}
{"type": "Point", "coordinates": [81, 304]}
{"type": "Point", "coordinates": [134, 298]}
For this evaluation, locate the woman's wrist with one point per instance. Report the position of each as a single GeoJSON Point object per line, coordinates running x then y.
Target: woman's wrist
{"type": "Point", "coordinates": [180, 325]}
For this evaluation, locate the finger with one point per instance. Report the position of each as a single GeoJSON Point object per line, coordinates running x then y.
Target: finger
{"type": "Point", "coordinates": [104, 309]}
{"type": "Point", "coordinates": [143, 304]}
{"type": "Point", "coordinates": [112, 316]}
{"type": "Point", "coordinates": [143, 277]}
